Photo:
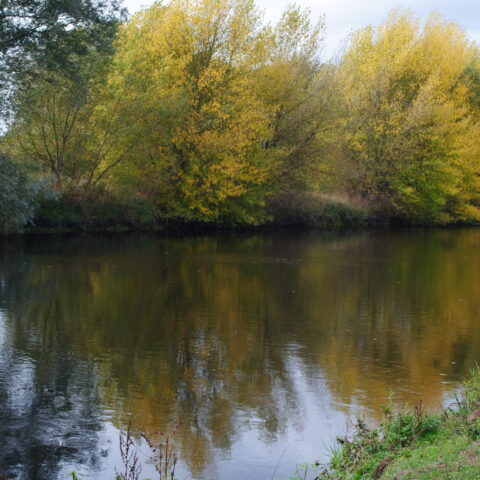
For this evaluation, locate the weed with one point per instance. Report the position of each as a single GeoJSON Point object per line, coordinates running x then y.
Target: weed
{"type": "Point", "coordinates": [303, 470]}
{"type": "Point", "coordinates": [414, 444]}
{"type": "Point", "coordinates": [128, 453]}
{"type": "Point", "coordinates": [164, 455]}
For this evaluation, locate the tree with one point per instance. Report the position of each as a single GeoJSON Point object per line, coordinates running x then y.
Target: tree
{"type": "Point", "coordinates": [66, 122]}
{"type": "Point", "coordinates": [185, 71]}
{"type": "Point", "coordinates": [295, 84]}
{"type": "Point", "coordinates": [408, 135]}
{"type": "Point", "coordinates": [472, 78]}
{"type": "Point", "coordinates": [70, 132]}
{"type": "Point", "coordinates": [37, 34]}
{"type": "Point", "coordinates": [30, 25]}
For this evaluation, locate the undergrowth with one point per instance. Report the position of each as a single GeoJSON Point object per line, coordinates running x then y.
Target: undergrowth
{"type": "Point", "coordinates": [414, 444]}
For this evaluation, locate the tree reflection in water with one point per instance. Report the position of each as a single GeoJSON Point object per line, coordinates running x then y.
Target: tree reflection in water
{"type": "Point", "coordinates": [230, 334]}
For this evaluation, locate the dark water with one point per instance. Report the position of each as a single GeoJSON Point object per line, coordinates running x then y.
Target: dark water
{"type": "Point", "coordinates": [260, 347]}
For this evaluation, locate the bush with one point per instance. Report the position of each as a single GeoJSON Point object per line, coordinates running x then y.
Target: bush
{"type": "Point", "coordinates": [310, 210]}
{"type": "Point", "coordinates": [95, 210]}
{"type": "Point", "coordinates": [19, 196]}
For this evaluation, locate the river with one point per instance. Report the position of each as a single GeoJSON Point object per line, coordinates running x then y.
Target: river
{"type": "Point", "coordinates": [258, 349]}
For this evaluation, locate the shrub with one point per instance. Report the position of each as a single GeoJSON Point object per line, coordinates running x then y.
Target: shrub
{"type": "Point", "coordinates": [94, 210]}
{"type": "Point", "coordinates": [19, 196]}
{"type": "Point", "coordinates": [310, 210]}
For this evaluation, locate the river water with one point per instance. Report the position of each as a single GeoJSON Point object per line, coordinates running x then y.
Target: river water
{"type": "Point", "coordinates": [258, 349]}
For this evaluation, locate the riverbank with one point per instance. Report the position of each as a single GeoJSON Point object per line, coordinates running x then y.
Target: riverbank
{"type": "Point", "coordinates": [103, 211]}
{"type": "Point", "coordinates": [299, 212]}
{"type": "Point", "coordinates": [109, 214]}
{"type": "Point", "coordinates": [415, 444]}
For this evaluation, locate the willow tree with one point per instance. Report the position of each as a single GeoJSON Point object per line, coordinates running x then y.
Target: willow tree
{"type": "Point", "coordinates": [408, 140]}
{"type": "Point", "coordinates": [66, 121]}
{"type": "Point", "coordinates": [294, 82]}
{"type": "Point", "coordinates": [185, 73]}
{"type": "Point", "coordinates": [68, 132]}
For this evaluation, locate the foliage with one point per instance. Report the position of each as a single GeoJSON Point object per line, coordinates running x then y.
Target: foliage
{"type": "Point", "coordinates": [38, 33]}
{"type": "Point", "coordinates": [414, 444]}
{"type": "Point", "coordinates": [208, 114]}
{"type": "Point", "coordinates": [65, 122]}
{"type": "Point", "coordinates": [99, 210]}
{"type": "Point", "coordinates": [19, 196]}
{"type": "Point", "coordinates": [38, 21]}
{"type": "Point", "coordinates": [409, 132]}
{"type": "Point", "coordinates": [300, 91]}
{"type": "Point", "coordinates": [68, 132]}
{"type": "Point", "coordinates": [308, 210]}
{"type": "Point", "coordinates": [185, 73]}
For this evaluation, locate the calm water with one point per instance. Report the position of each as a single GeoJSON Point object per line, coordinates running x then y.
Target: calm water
{"type": "Point", "coordinates": [260, 347]}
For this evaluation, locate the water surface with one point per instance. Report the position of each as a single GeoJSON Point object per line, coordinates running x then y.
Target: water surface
{"type": "Point", "coordinates": [258, 347]}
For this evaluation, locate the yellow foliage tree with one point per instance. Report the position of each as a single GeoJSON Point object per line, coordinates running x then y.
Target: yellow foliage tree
{"type": "Point", "coordinates": [294, 83]}
{"type": "Point", "coordinates": [186, 72]}
{"type": "Point", "coordinates": [409, 131]}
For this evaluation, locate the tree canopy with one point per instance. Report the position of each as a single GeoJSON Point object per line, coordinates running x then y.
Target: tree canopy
{"type": "Point", "coordinates": [37, 36]}
{"type": "Point", "coordinates": [410, 132]}
{"type": "Point", "coordinates": [208, 113]}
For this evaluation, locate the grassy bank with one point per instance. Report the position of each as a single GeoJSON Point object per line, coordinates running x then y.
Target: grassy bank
{"type": "Point", "coordinates": [415, 444]}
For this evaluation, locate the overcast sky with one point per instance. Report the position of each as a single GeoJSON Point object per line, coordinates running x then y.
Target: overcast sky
{"type": "Point", "coordinates": [343, 16]}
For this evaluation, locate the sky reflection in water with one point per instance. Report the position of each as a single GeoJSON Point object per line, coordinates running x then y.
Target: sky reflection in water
{"type": "Point", "coordinates": [261, 346]}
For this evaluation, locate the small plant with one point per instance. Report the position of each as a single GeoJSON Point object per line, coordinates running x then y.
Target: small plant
{"type": "Point", "coordinates": [404, 428]}
{"type": "Point", "coordinates": [164, 455]}
{"type": "Point", "coordinates": [303, 470]}
{"type": "Point", "coordinates": [471, 391]}
{"type": "Point", "coordinates": [363, 443]}
{"type": "Point", "coordinates": [128, 453]}
{"type": "Point", "coordinates": [467, 406]}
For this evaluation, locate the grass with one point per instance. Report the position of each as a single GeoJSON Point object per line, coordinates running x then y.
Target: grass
{"type": "Point", "coordinates": [415, 445]}
{"type": "Point", "coordinates": [448, 458]}
{"type": "Point", "coordinates": [314, 211]}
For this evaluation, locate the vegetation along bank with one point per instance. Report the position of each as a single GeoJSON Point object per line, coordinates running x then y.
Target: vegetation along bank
{"type": "Point", "coordinates": [200, 111]}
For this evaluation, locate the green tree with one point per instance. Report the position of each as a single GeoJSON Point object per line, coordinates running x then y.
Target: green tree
{"type": "Point", "coordinates": [70, 132]}
{"type": "Point", "coordinates": [66, 122]}
{"type": "Point", "coordinates": [37, 35]}
{"type": "Point", "coordinates": [295, 84]}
